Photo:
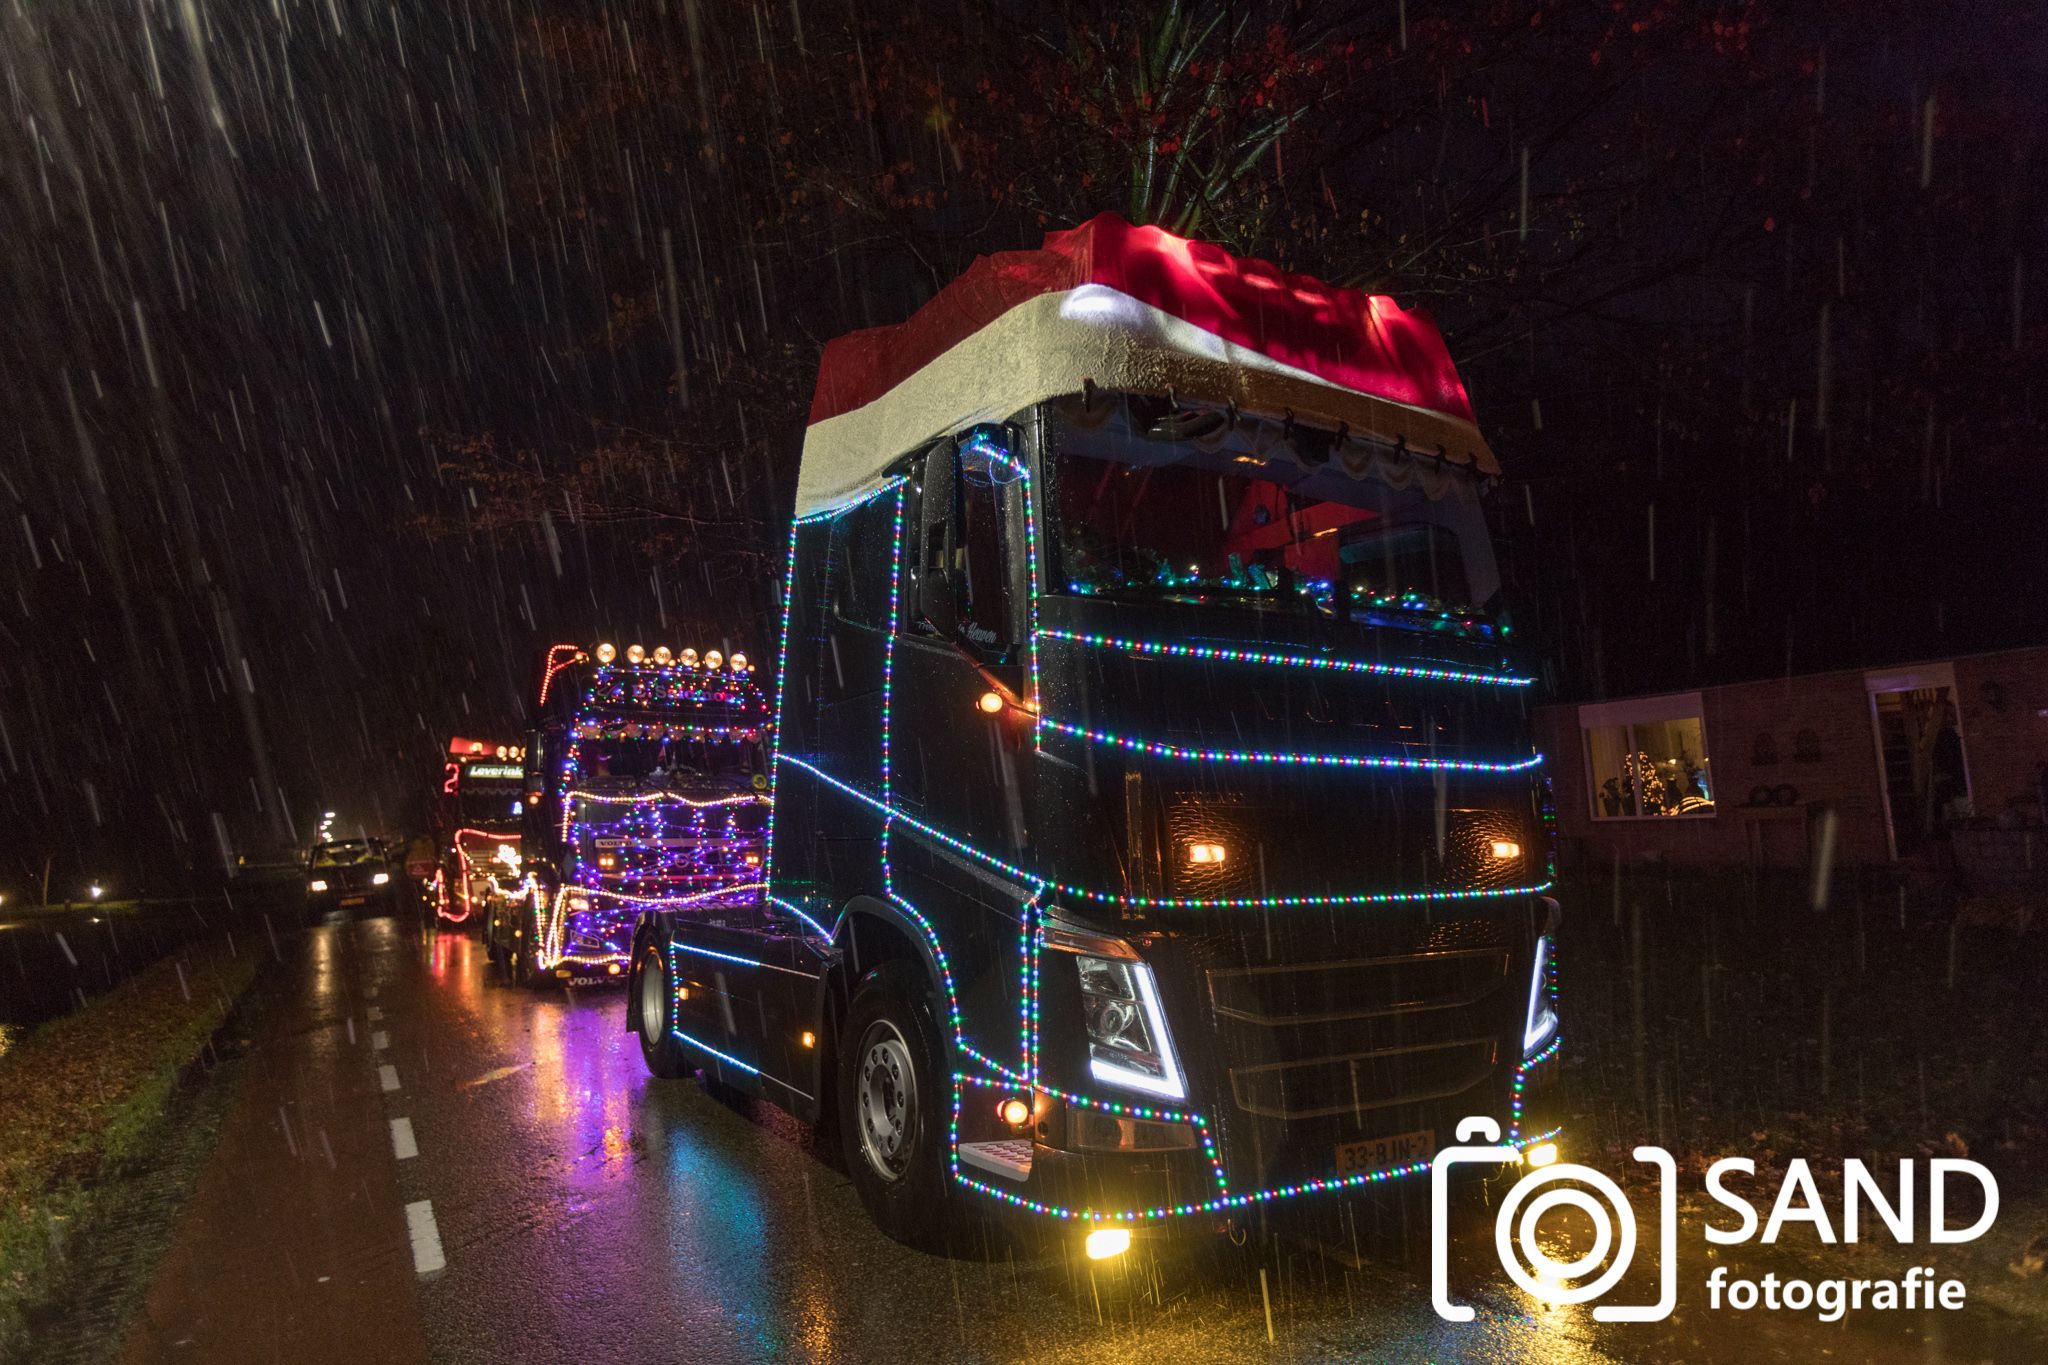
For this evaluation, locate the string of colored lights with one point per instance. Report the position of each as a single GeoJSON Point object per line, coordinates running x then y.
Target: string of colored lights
{"type": "Point", "coordinates": [1268, 756]}
{"type": "Point", "coordinates": [1225, 1200]}
{"type": "Point", "coordinates": [1194, 1120]}
{"type": "Point", "coordinates": [553, 667]}
{"type": "Point", "coordinates": [1517, 1090]}
{"type": "Point", "coordinates": [821, 930]}
{"type": "Point", "coordinates": [1159, 902]}
{"type": "Point", "coordinates": [681, 946]}
{"type": "Point", "coordinates": [781, 682]}
{"type": "Point", "coordinates": [665, 798]}
{"type": "Point", "coordinates": [1277, 659]}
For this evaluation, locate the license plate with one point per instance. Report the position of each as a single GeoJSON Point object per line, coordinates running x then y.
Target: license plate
{"type": "Point", "coordinates": [353, 900]}
{"type": "Point", "coordinates": [1383, 1153]}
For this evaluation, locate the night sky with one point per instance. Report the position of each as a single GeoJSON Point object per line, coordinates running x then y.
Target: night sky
{"type": "Point", "coordinates": [355, 351]}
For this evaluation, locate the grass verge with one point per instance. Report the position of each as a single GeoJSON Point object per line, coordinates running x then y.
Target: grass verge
{"type": "Point", "coordinates": [83, 1096]}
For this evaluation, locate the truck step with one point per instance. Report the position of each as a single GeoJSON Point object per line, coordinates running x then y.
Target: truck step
{"type": "Point", "coordinates": [1010, 1159]}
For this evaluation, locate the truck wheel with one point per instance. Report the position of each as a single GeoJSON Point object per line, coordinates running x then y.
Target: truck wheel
{"type": "Point", "coordinates": [895, 1106]}
{"type": "Point", "coordinates": [659, 1046]}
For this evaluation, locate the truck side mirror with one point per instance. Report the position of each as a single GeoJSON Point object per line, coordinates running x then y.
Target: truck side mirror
{"type": "Point", "coordinates": [938, 598]}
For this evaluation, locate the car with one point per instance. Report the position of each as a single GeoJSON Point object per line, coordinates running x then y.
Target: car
{"type": "Point", "coordinates": [351, 874]}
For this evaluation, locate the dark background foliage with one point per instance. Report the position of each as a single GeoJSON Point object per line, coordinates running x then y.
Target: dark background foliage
{"type": "Point", "coordinates": [352, 352]}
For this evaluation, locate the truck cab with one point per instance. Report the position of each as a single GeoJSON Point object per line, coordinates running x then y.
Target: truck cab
{"type": "Point", "coordinates": [646, 787]}
{"type": "Point", "coordinates": [479, 817]}
{"type": "Point", "coordinates": [1157, 835]}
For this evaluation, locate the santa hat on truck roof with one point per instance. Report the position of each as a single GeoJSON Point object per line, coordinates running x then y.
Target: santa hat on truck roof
{"type": "Point", "coordinates": [1135, 309]}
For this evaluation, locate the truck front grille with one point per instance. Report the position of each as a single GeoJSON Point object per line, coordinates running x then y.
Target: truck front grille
{"type": "Point", "coordinates": [1322, 1050]}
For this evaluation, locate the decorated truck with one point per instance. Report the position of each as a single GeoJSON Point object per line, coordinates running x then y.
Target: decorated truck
{"type": "Point", "coordinates": [646, 787]}
{"type": "Point", "coordinates": [1157, 835]}
{"type": "Point", "coordinates": [478, 819]}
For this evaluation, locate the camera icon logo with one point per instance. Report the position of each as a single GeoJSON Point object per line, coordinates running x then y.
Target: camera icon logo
{"type": "Point", "coordinates": [1561, 1185]}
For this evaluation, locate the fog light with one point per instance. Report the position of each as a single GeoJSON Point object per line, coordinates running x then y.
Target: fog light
{"type": "Point", "coordinates": [1208, 854]}
{"type": "Point", "coordinates": [1506, 848]}
{"type": "Point", "coordinates": [1014, 1112]}
{"type": "Point", "coordinates": [1542, 1154]}
{"type": "Point", "coordinates": [1104, 1243]}
{"type": "Point", "coordinates": [990, 703]}
{"type": "Point", "coordinates": [635, 654]}
{"type": "Point", "coordinates": [607, 652]}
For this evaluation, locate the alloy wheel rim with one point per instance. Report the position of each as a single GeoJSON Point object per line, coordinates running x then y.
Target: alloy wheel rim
{"type": "Point", "coordinates": [886, 1101]}
{"type": "Point", "coordinates": [653, 1007]}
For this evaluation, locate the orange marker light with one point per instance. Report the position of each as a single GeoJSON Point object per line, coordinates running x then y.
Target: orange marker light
{"type": "Point", "coordinates": [990, 703]}
{"type": "Point", "coordinates": [1014, 1112]}
{"type": "Point", "coordinates": [611, 968]}
{"type": "Point", "coordinates": [810, 1039]}
{"type": "Point", "coordinates": [1208, 854]}
{"type": "Point", "coordinates": [1506, 848]}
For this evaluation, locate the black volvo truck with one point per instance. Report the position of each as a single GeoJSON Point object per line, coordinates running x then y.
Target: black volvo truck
{"type": "Point", "coordinates": [1156, 832]}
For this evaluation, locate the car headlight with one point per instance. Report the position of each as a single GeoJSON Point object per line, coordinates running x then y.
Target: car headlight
{"type": "Point", "coordinates": [316, 885]}
{"type": "Point", "coordinates": [1127, 1040]}
{"type": "Point", "coordinates": [380, 879]}
{"type": "Point", "coordinates": [1541, 1020]}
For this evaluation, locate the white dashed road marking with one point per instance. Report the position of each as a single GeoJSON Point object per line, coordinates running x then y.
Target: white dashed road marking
{"type": "Point", "coordinates": [379, 1041]}
{"type": "Point", "coordinates": [403, 1144]}
{"type": "Point", "coordinates": [387, 1076]}
{"type": "Point", "coordinates": [426, 1237]}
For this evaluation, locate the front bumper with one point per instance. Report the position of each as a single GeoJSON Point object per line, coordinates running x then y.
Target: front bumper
{"type": "Point", "coordinates": [1196, 1180]}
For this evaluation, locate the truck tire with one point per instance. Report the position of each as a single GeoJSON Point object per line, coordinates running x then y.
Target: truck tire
{"type": "Point", "coordinates": [656, 994]}
{"type": "Point", "coordinates": [895, 1107]}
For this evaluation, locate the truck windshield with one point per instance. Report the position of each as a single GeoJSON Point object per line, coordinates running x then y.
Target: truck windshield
{"type": "Point", "coordinates": [616, 758]}
{"type": "Point", "coordinates": [488, 802]}
{"type": "Point", "coordinates": [1138, 518]}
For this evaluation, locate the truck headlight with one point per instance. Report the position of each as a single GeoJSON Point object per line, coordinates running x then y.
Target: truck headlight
{"type": "Point", "coordinates": [1541, 1020]}
{"type": "Point", "coordinates": [380, 879]}
{"type": "Point", "coordinates": [1127, 1040]}
{"type": "Point", "coordinates": [316, 885]}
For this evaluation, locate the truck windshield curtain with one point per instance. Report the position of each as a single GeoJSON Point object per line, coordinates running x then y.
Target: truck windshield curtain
{"type": "Point", "coordinates": [1144, 519]}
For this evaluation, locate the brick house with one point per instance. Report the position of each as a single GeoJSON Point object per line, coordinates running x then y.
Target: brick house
{"type": "Point", "coordinates": [1747, 774]}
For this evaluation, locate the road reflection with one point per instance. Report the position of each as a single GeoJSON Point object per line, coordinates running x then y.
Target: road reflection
{"type": "Point", "coordinates": [679, 1227]}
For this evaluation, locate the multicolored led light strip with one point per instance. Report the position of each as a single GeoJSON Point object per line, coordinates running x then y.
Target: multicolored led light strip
{"type": "Point", "coordinates": [821, 931]}
{"type": "Point", "coordinates": [665, 798]}
{"type": "Point", "coordinates": [1268, 756]}
{"type": "Point", "coordinates": [683, 947]}
{"type": "Point", "coordinates": [1157, 902]}
{"type": "Point", "coordinates": [1225, 1200]}
{"type": "Point", "coordinates": [1529, 1064]}
{"type": "Point", "coordinates": [1277, 659]}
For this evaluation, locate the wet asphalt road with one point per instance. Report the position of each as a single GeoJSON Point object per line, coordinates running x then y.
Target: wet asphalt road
{"type": "Point", "coordinates": [581, 1210]}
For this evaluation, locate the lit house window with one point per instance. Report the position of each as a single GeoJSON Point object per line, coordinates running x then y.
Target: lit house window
{"type": "Point", "coordinates": [1647, 758]}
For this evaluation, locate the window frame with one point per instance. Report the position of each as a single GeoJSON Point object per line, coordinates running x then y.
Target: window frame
{"type": "Point", "coordinates": [1627, 716]}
